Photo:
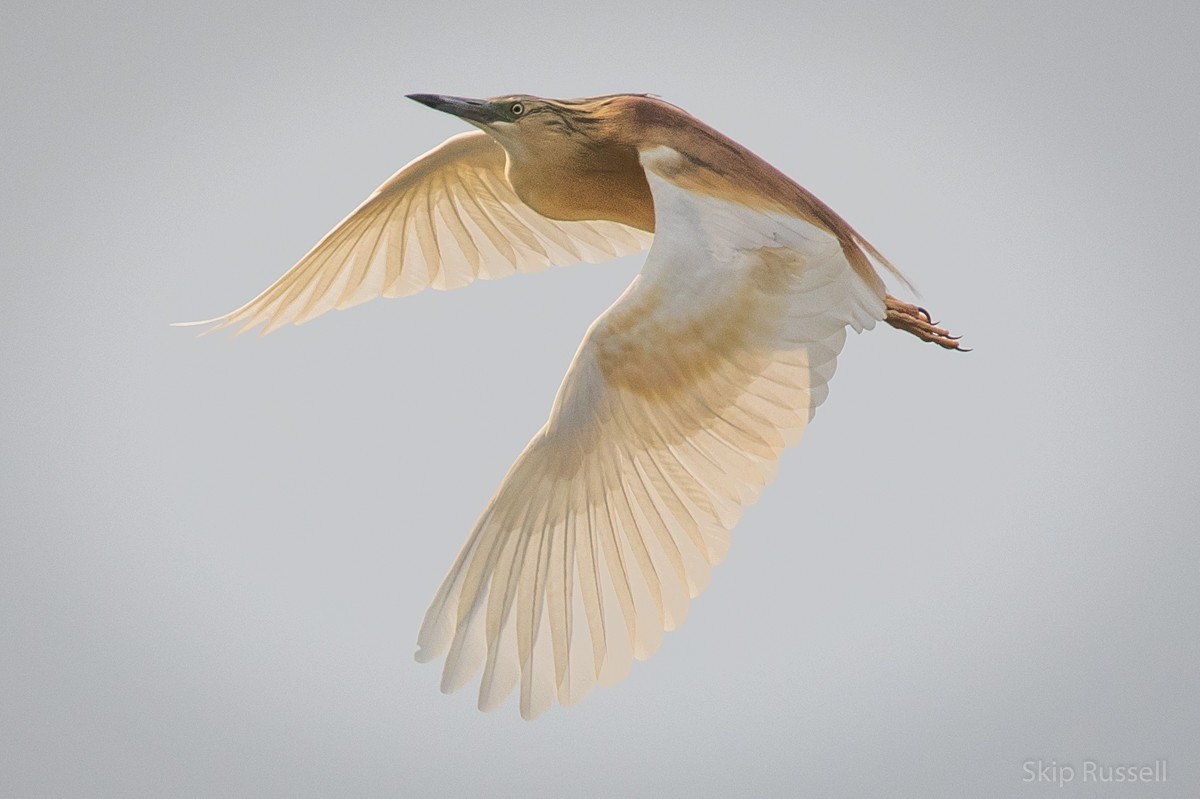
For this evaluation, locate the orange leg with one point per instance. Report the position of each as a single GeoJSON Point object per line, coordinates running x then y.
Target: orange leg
{"type": "Point", "coordinates": [915, 319]}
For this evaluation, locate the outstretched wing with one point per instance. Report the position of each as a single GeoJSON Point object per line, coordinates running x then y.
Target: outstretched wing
{"type": "Point", "coordinates": [442, 221]}
{"type": "Point", "coordinates": [669, 422]}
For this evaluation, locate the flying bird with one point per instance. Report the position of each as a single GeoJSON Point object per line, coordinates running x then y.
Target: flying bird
{"type": "Point", "coordinates": [680, 399]}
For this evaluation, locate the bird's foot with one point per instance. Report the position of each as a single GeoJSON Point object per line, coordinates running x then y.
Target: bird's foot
{"type": "Point", "coordinates": [916, 320]}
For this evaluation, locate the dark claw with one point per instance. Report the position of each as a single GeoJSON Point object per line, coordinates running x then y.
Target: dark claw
{"type": "Point", "coordinates": [925, 313]}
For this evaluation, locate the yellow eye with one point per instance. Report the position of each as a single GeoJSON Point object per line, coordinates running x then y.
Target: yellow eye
{"type": "Point", "coordinates": [517, 109]}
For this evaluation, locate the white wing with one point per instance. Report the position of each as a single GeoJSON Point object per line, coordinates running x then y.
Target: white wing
{"type": "Point", "coordinates": [442, 221]}
{"type": "Point", "coordinates": [670, 420]}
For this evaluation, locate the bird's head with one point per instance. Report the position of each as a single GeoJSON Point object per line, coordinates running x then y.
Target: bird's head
{"type": "Point", "coordinates": [535, 126]}
{"type": "Point", "coordinates": [568, 159]}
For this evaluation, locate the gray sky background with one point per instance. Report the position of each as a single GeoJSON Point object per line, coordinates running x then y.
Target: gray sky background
{"type": "Point", "coordinates": [215, 554]}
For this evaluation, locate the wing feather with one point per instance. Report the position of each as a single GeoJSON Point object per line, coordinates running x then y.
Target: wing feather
{"type": "Point", "coordinates": [444, 220]}
{"type": "Point", "coordinates": [669, 422]}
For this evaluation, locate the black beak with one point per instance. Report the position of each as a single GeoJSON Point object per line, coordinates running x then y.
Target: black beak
{"type": "Point", "coordinates": [463, 107]}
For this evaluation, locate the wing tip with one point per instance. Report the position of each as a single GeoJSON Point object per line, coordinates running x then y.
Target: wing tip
{"type": "Point", "coordinates": [231, 319]}
{"type": "Point", "coordinates": [215, 324]}
{"type": "Point", "coordinates": [426, 653]}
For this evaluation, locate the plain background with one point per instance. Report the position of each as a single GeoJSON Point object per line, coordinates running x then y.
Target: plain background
{"type": "Point", "coordinates": [215, 553]}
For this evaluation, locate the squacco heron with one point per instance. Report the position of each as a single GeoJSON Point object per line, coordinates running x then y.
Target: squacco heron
{"type": "Point", "coordinates": [675, 408]}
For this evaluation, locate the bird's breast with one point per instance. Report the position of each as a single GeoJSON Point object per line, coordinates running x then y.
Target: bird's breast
{"type": "Point", "coordinates": [585, 186]}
